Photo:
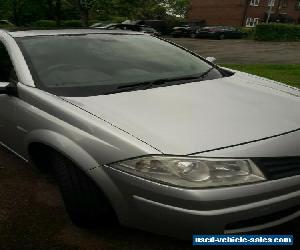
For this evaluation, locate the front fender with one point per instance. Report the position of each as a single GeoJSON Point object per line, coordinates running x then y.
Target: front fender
{"type": "Point", "coordinates": [63, 145]}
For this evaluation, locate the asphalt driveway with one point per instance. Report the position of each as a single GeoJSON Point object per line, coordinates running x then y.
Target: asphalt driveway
{"type": "Point", "coordinates": [244, 51]}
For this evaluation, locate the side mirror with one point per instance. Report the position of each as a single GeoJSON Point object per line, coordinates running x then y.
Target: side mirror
{"type": "Point", "coordinates": [4, 88]}
{"type": "Point", "coordinates": [211, 59]}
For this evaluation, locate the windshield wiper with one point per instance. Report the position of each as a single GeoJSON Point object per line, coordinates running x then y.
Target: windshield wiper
{"type": "Point", "coordinates": [163, 81]}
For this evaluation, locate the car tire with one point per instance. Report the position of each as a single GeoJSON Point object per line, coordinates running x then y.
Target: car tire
{"type": "Point", "coordinates": [193, 35]}
{"type": "Point", "coordinates": [85, 203]}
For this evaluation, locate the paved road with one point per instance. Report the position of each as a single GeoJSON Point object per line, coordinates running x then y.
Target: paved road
{"type": "Point", "coordinates": [244, 51]}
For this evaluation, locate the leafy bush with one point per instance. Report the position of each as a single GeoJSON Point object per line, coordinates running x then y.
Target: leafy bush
{"type": "Point", "coordinates": [118, 19]}
{"type": "Point", "coordinates": [2, 26]}
{"type": "Point", "coordinates": [45, 24]}
{"type": "Point", "coordinates": [171, 22]}
{"type": "Point", "coordinates": [277, 32]}
{"type": "Point", "coordinates": [72, 24]}
{"type": "Point", "coordinates": [249, 31]}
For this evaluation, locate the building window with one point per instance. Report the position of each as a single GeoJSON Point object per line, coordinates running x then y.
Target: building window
{"type": "Point", "coordinates": [284, 3]}
{"type": "Point", "coordinates": [298, 4]}
{"type": "Point", "coordinates": [252, 21]}
{"type": "Point", "coordinates": [271, 3]}
{"type": "Point", "coordinates": [254, 2]}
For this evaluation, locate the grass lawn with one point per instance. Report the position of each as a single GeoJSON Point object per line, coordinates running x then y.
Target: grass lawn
{"type": "Point", "coordinates": [289, 73]}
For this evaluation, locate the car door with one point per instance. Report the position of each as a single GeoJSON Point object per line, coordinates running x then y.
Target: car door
{"type": "Point", "coordinates": [8, 127]}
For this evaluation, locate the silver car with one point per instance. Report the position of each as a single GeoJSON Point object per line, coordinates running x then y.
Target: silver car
{"type": "Point", "coordinates": [143, 131]}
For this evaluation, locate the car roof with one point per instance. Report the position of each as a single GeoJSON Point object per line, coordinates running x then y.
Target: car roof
{"type": "Point", "coordinates": [31, 33]}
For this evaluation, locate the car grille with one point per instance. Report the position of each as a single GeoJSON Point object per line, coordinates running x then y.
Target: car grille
{"type": "Point", "coordinates": [277, 168]}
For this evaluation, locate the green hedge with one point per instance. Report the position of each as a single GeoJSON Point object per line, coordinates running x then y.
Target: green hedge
{"type": "Point", "coordinates": [248, 31]}
{"type": "Point", "coordinates": [6, 27]}
{"type": "Point", "coordinates": [52, 24]}
{"type": "Point", "coordinates": [277, 32]}
{"type": "Point", "coordinates": [118, 19]}
{"type": "Point", "coordinates": [72, 24]}
{"type": "Point", "coordinates": [45, 24]}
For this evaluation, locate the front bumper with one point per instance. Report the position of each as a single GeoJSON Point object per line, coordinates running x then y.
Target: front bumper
{"type": "Point", "coordinates": [181, 212]}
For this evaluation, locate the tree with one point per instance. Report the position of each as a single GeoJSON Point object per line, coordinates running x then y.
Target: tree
{"type": "Point", "coordinates": [278, 7]}
{"type": "Point", "coordinates": [149, 9]}
{"type": "Point", "coordinates": [23, 12]}
{"type": "Point", "coordinates": [177, 8]}
{"type": "Point", "coordinates": [247, 4]}
{"type": "Point", "coordinates": [54, 10]}
{"type": "Point", "coordinates": [84, 7]}
{"type": "Point", "coordinates": [5, 10]}
{"type": "Point", "coordinates": [17, 6]}
{"type": "Point", "coordinates": [142, 9]}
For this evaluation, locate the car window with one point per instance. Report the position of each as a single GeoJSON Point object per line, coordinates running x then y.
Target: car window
{"type": "Point", "coordinates": [230, 29]}
{"type": "Point", "coordinates": [112, 27]}
{"type": "Point", "coordinates": [99, 63]}
{"type": "Point", "coordinates": [7, 72]}
{"type": "Point", "coordinates": [120, 27]}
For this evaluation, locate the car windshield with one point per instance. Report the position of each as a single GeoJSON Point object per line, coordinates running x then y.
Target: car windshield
{"type": "Point", "coordinates": [99, 63]}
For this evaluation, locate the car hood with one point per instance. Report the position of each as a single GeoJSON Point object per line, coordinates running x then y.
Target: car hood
{"type": "Point", "coordinates": [201, 116]}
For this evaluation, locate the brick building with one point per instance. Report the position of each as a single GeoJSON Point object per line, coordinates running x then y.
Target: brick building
{"type": "Point", "coordinates": [244, 12]}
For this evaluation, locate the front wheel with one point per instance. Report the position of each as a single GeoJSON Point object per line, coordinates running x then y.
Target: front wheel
{"type": "Point", "coordinates": [85, 203]}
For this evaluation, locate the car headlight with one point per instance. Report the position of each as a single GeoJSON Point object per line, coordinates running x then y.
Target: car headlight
{"type": "Point", "coordinates": [193, 172]}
